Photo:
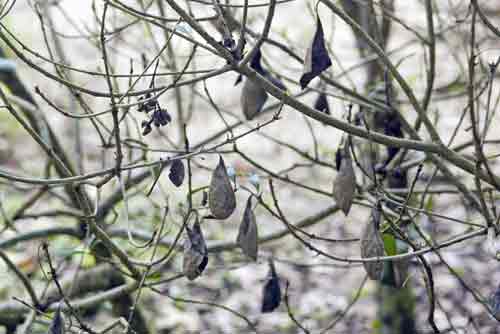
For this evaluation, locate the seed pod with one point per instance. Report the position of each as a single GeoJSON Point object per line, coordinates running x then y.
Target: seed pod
{"type": "Point", "coordinates": [195, 252]}
{"type": "Point", "coordinates": [248, 234]}
{"type": "Point", "coordinates": [221, 199]}
{"type": "Point", "coordinates": [372, 245]}
{"type": "Point", "coordinates": [271, 296]}
{"type": "Point", "coordinates": [57, 324]}
{"type": "Point", "coordinates": [344, 184]}
{"type": "Point", "coordinates": [253, 98]}
{"type": "Point", "coordinates": [317, 59]}
{"type": "Point", "coordinates": [177, 173]}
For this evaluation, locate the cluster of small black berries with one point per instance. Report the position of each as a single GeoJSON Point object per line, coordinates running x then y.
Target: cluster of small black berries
{"type": "Point", "coordinates": [158, 117]}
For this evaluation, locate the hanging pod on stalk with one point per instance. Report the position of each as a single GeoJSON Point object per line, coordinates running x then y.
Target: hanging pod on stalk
{"type": "Point", "coordinates": [195, 252]}
{"type": "Point", "coordinates": [221, 199]}
{"type": "Point", "coordinates": [317, 59]}
{"type": "Point", "coordinates": [271, 295]}
{"type": "Point", "coordinates": [253, 96]}
{"type": "Point", "coordinates": [248, 234]}
{"type": "Point", "coordinates": [372, 245]}
{"type": "Point", "coordinates": [344, 184]}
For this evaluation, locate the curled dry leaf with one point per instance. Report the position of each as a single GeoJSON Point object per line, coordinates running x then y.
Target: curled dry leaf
{"type": "Point", "coordinates": [317, 59]}
{"type": "Point", "coordinates": [271, 296]}
{"type": "Point", "coordinates": [372, 245]}
{"type": "Point", "coordinates": [344, 184]}
{"type": "Point", "coordinates": [177, 173]}
{"type": "Point", "coordinates": [57, 323]}
{"type": "Point", "coordinates": [221, 199]}
{"type": "Point", "coordinates": [195, 252]}
{"type": "Point", "coordinates": [248, 234]}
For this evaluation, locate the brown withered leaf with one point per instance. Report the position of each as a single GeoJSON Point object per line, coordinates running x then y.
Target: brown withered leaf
{"type": "Point", "coordinates": [372, 245]}
{"type": "Point", "coordinates": [221, 199]}
{"type": "Point", "coordinates": [248, 234]}
{"type": "Point", "coordinates": [195, 252]}
{"type": "Point", "coordinates": [344, 184]}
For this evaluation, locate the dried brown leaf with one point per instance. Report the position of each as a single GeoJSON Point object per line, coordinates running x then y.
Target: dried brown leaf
{"type": "Point", "coordinates": [253, 98]}
{"type": "Point", "coordinates": [372, 245]}
{"type": "Point", "coordinates": [344, 184]}
{"type": "Point", "coordinates": [221, 199]}
{"type": "Point", "coordinates": [248, 234]}
{"type": "Point", "coordinates": [195, 252]}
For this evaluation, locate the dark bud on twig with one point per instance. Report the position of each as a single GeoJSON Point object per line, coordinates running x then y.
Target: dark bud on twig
{"type": "Point", "coordinates": [317, 59]}
{"type": "Point", "coordinates": [271, 298]}
{"type": "Point", "coordinates": [221, 199]}
{"type": "Point", "coordinates": [177, 173]}
{"type": "Point", "coordinates": [372, 245]}
{"type": "Point", "coordinates": [57, 323]}
{"type": "Point", "coordinates": [195, 252]}
{"type": "Point", "coordinates": [248, 234]}
{"type": "Point", "coordinates": [344, 184]}
{"type": "Point", "coordinates": [321, 104]}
